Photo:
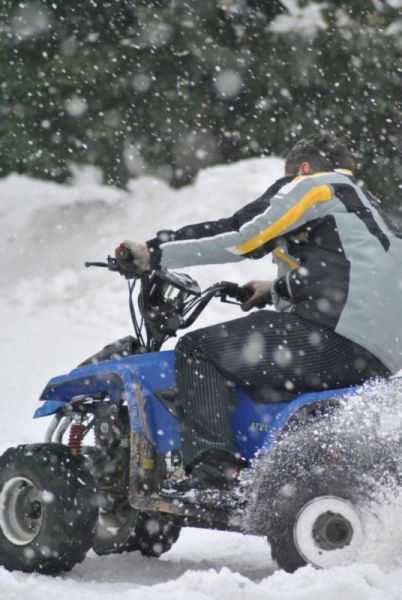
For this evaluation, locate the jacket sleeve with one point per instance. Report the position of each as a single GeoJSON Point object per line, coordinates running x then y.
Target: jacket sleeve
{"type": "Point", "coordinates": [252, 232]}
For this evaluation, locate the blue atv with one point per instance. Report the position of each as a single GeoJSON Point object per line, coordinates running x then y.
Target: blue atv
{"type": "Point", "coordinates": [100, 487]}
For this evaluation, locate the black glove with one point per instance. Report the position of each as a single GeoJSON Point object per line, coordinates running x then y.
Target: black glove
{"type": "Point", "coordinates": [261, 294]}
{"type": "Point", "coordinates": [132, 258]}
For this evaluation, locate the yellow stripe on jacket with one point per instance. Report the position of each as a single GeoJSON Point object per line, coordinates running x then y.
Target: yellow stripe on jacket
{"type": "Point", "coordinates": [281, 255]}
{"type": "Point", "coordinates": [320, 193]}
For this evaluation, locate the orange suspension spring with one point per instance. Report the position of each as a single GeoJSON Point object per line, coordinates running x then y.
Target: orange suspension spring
{"type": "Point", "coordinates": [75, 438]}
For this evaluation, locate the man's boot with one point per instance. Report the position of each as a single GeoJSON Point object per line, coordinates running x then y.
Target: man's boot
{"type": "Point", "coordinates": [214, 470]}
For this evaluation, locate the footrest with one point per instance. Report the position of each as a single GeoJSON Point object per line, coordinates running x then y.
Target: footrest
{"type": "Point", "coordinates": [207, 507]}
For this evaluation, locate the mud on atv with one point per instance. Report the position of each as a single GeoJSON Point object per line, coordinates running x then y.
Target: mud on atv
{"type": "Point", "coordinates": [114, 439]}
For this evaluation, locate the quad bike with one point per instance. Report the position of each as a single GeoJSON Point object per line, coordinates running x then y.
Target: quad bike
{"type": "Point", "coordinates": [118, 410]}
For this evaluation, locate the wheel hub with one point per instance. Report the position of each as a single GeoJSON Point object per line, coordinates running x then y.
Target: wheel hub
{"type": "Point", "coordinates": [328, 532]}
{"type": "Point", "coordinates": [332, 531]}
{"type": "Point", "coordinates": [20, 511]}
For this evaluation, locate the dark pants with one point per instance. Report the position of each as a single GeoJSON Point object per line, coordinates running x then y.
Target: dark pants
{"type": "Point", "coordinates": [274, 356]}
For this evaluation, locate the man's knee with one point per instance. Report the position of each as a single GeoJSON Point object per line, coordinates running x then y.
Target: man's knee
{"type": "Point", "coordinates": [188, 345]}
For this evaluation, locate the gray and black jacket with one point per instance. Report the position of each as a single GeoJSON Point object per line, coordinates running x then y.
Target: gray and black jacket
{"type": "Point", "coordinates": [339, 263]}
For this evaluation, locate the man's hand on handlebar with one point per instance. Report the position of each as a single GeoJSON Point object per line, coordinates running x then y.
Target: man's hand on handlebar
{"type": "Point", "coordinates": [260, 294]}
{"type": "Point", "coordinates": [132, 258]}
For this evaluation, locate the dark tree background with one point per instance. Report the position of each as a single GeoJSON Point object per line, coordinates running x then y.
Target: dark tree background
{"type": "Point", "coordinates": [170, 86]}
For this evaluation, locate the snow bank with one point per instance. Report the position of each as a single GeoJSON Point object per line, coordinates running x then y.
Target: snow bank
{"type": "Point", "coordinates": [50, 227]}
{"type": "Point", "coordinates": [54, 312]}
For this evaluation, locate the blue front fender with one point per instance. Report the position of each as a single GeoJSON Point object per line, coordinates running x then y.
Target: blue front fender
{"type": "Point", "coordinates": [131, 379]}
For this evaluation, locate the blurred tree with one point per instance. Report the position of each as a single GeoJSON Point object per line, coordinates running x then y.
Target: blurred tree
{"type": "Point", "coordinates": [171, 86]}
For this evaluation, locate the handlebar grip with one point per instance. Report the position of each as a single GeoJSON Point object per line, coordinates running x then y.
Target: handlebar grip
{"type": "Point", "coordinates": [235, 291]}
{"type": "Point", "coordinates": [243, 294]}
{"type": "Point", "coordinates": [96, 264]}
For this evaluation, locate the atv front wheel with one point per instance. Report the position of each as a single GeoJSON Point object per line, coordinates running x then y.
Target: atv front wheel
{"type": "Point", "coordinates": [127, 530]}
{"type": "Point", "coordinates": [47, 509]}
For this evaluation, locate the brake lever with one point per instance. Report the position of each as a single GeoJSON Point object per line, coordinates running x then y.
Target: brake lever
{"type": "Point", "coordinates": [111, 264]}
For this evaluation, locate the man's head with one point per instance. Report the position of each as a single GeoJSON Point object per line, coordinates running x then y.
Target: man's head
{"type": "Point", "coordinates": [318, 152]}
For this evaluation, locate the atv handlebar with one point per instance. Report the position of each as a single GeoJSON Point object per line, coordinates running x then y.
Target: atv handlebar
{"type": "Point", "coordinates": [223, 290]}
{"type": "Point", "coordinates": [169, 301]}
{"type": "Point", "coordinates": [233, 290]}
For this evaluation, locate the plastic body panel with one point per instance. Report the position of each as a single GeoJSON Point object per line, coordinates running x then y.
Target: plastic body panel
{"type": "Point", "coordinates": [133, 379]}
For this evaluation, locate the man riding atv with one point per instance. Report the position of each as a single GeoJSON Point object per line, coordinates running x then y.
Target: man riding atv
{"type": "Point", "coordinates": [338, 314]}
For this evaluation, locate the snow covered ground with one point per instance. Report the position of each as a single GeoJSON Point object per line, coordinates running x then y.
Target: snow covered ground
{"type": "Point", "coordinates": [54, 312]}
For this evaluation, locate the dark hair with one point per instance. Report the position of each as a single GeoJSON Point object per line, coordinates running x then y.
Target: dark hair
{"type": "Point", "coordinates": [323, 151]}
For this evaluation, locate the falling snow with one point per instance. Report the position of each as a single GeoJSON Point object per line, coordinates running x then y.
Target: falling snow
{"type": "Point", "coordinates": [143, 96]}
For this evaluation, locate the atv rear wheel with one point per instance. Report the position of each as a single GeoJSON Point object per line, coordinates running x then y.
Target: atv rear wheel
{"type": "Point", "coordinates": [325, 524]}
{"type": "Point", "coordinates": [319, 523]}
{"type": "Point", "coordinates": [128, 530]}
{"type": "Point", "coordinates": [313, 490]}
{"type": "Point", "coordinates": [47, 509]}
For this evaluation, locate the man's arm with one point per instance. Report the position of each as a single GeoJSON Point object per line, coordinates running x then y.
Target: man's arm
{"type": "Point", "coordinates": [252, 232]}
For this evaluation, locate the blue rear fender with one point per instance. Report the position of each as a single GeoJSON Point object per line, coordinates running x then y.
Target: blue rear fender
{"type": "Point", "coordinates": [257, 426]}
{"type": "Point", "coordinates": [304, 401]}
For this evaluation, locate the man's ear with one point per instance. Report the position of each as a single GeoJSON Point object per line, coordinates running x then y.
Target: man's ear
{"type": "Point", "coordinates": [305, 168]}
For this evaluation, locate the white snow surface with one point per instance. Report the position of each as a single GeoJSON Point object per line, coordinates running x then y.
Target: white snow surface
{"type": "Point", "coordinates": [54, 313]}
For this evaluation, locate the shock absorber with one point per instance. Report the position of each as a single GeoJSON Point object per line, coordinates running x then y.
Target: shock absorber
{"type": "Point", "coordinates": [76, 436]}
